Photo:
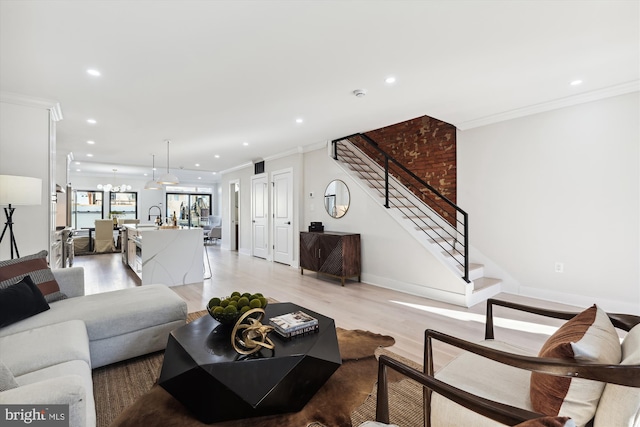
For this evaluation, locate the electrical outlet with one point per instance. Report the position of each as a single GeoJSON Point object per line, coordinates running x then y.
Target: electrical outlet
{"type": "Point", "coordinates": [311, 194]}
{"type": "Point", "coordinates": [559, 267]}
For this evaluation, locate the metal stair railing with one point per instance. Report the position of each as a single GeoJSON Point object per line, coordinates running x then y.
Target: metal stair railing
{"type": "Point", "coordinates": [420, 202]}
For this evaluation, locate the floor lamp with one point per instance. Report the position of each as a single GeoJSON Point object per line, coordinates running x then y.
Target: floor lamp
{"type": "Point", "coordinates": [17, 191]}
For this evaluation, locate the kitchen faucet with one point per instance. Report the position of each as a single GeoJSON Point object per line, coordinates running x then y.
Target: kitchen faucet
{"type": "Point", "coordinates": [158, 217]}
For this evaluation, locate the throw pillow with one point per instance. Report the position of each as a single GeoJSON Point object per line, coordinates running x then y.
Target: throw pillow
{"type": "Point", "coordinates": [20, 301]}
{"type": "Point", "coordinates": [620, 405]}
{"type": "Point", "coordinates": [548, 422]}
{"type": "Point", "coordinates": [587, 337]}
{"type": "Point", "coordinates": [13, 270]}
{"type": "Point", "coordinates": [7, 380]}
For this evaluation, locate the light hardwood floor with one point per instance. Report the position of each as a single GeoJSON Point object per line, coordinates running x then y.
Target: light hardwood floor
{"type": "Point", "coordinates": [354, 306]}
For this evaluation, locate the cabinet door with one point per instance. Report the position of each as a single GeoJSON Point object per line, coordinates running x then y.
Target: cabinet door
{"type": "Point", "coordinates": [308, 251]}
{"type": "Point", "coordinates": [131, 254]}
{"type": "Point", "coordinates": [330, 254]}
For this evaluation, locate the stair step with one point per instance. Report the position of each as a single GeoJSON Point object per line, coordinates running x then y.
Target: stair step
{"type": "Point", "coordinates": [484, 282]}
{"type": "Point", "coordinates": [476, 271]}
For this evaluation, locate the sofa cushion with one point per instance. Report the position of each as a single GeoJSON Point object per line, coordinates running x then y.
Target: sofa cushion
{"type": "Point", "coordinates": [20, 301]}
{"type": "Point", "coordinates": [13, 270]}
{"type": "Point", "coordinates": [587, 337]}
{"type": "Point", "coordinates": [7, 380]}
{"type": "Point", "coordinates": [620, 405]}
{"type": "Point", "coordinates": [113, 313]}
{"type": "Point", "coordinates": [38, 348]}
{"type": "Point", "coordinates": [67, 383]}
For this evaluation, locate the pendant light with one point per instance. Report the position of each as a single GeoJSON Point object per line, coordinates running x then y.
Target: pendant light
{"type": "Point", "coordinates": [168, 178]}
{"type": "Point", "coordinates": [153, 184]}
{"type": "Point", "coordinates": [114, 188]}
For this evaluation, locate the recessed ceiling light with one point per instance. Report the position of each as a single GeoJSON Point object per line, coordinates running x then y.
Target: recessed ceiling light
{"type": "Point", "coordinates": [78, 170]}
{"type": "Point", "coordinates": [199, 177]}
{"type": "Point", "coordinates": [89, 155]}
{"type": "Point", "coordinates": [245, 143]}
{"type": "Point", "coordinates": [93, 72]}
{"type": "Point", "coordinates": [91, 121]}
{"type": "Point", "coordinates": [217, 156]}
{"type": "Point", "coordinates": [197, 165]}
{"type": "Point", "coordinates": [77, 163]}
{"type": "Point", "coordinates": [299, 120]}
{"type": "Point", "coordinates": [576, 82]}
{"type": "Point", "coordinates": [146, 174]}
{"type": "Point", "coordinates": [91, 142]}
{"type": "Point", "coordinates": [390, 80]}
{"type": "Point", "coordinates": [214, 173]}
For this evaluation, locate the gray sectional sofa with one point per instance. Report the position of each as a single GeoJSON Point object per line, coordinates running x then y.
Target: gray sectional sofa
{"type": "Point", "coordinates": [48, 358]}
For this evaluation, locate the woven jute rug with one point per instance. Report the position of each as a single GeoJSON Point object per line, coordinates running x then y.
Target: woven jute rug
{"type": "Point", "coordinates": [125, 391]}
{"type": "Point", "coordinates": [405, 398]}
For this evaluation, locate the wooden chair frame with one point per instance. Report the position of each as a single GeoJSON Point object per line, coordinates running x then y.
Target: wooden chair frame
{"type": "Point", "coordinates": [627, 375]}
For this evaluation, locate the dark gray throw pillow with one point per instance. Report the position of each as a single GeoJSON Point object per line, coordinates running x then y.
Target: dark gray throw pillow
{"type": "Point", "coordinates": [20, 301]}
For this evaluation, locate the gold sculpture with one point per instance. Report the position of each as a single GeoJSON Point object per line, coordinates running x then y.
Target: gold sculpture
{"type": "Point", "coordinates": [249, 335]}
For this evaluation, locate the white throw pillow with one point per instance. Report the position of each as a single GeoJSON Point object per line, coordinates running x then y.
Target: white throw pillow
{"type": "Point", "coordinates": [619, 405]}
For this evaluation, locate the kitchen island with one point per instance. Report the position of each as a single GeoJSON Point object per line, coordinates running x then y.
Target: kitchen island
{"type": "Point", "coordinates": [170, 256]}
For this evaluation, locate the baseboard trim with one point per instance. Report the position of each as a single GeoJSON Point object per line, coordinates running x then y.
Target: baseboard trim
{"type": "Point", "coordinates": [608, 305]}
{"type": "Point", "coordinates": [459, 299]}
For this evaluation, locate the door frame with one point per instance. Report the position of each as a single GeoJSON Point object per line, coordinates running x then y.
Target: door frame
{"type": "Point", "coordinates": [234, 238]}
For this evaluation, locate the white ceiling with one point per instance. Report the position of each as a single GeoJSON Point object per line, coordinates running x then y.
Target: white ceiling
{"type": "Point", "coordinates": [210, 75]}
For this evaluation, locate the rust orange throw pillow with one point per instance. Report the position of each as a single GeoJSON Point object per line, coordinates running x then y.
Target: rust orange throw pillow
{"type": "Point", "coordinates": [12, 271]}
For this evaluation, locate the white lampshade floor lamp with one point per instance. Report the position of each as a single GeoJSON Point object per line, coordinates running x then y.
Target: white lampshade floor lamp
{"type": "Point", "coordinates": [17, 191]}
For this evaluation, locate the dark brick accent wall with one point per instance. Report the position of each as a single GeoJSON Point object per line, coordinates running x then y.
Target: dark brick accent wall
{"type": "Point", "coordinates": [427, 147]}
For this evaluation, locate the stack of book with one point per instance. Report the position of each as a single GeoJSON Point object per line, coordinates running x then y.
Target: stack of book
{"type": "Point", "coordinates": [294, 324]}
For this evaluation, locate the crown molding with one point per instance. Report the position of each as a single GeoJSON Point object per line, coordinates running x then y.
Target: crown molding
{"type": "Point", "coordinates": [236, 168]}
{"type": "Point", "coordinates": [582, 98]}
{"type": "Point", "coordinates": [31, 101]}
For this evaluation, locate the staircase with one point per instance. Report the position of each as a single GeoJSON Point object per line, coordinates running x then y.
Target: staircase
{"type": "Point", "coordinates": [445, 236]}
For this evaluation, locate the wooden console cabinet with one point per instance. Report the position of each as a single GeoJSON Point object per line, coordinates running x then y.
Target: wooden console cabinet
{"type": "Point", "coordinates": [332, 253]}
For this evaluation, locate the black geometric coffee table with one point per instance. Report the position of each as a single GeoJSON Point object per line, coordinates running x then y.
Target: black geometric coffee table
{"type": "Point", "coordinates": [203, 371]}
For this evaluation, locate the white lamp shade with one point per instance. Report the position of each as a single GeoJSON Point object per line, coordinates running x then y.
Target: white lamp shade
{"type": "Point", "coordinates": [168, 178]}
{"type": "Point", "coordinates": [152, 185]}
{"type": "Point", "coordinates": [20, 190]}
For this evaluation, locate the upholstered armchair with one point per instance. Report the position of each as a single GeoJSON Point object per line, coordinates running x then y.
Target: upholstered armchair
{"type": "Point", "coordinates": [582, 372]}
{"type": "Point", "coordinates": [104, 236]}
{"type": "Point", "coordinates": [213, 230]}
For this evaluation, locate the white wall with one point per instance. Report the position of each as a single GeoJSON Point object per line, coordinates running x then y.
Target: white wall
{"type": "Point", "coordinates": [561, 186]}
{"type": "Point", "coordinates": [391, 258]}
{"type": "Point", "coordinates": [24, 151]}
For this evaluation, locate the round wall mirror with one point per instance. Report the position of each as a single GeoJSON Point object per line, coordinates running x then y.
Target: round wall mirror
{"type": "Point", "coordinates": [336, 198]}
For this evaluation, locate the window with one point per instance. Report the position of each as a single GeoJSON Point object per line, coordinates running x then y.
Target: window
{"type": "Point", "coordinates": [124, 204]}
{"type": "Point", "coordinates": [86, 207]}
{"type": "Point", "coordinates": [192, 210]}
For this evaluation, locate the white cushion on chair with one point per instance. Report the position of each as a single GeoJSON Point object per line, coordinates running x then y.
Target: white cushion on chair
{"type": "Point", "coordinates": [620, 405]}
{"type": "Point", "coordinates": [482, 377]}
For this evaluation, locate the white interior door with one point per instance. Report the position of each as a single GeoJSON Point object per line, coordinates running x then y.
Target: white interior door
{"type": "Point", "coordinates": [283, 216]}
{"type": "Point", "coordinates": [260, 215]}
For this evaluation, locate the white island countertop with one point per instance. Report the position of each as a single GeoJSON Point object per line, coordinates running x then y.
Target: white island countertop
{"type": "Point", "coordinates": [170, 256]}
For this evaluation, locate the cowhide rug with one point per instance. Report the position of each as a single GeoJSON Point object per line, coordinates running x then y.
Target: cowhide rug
{"type": "Point", "coordinates": [347, 388]}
